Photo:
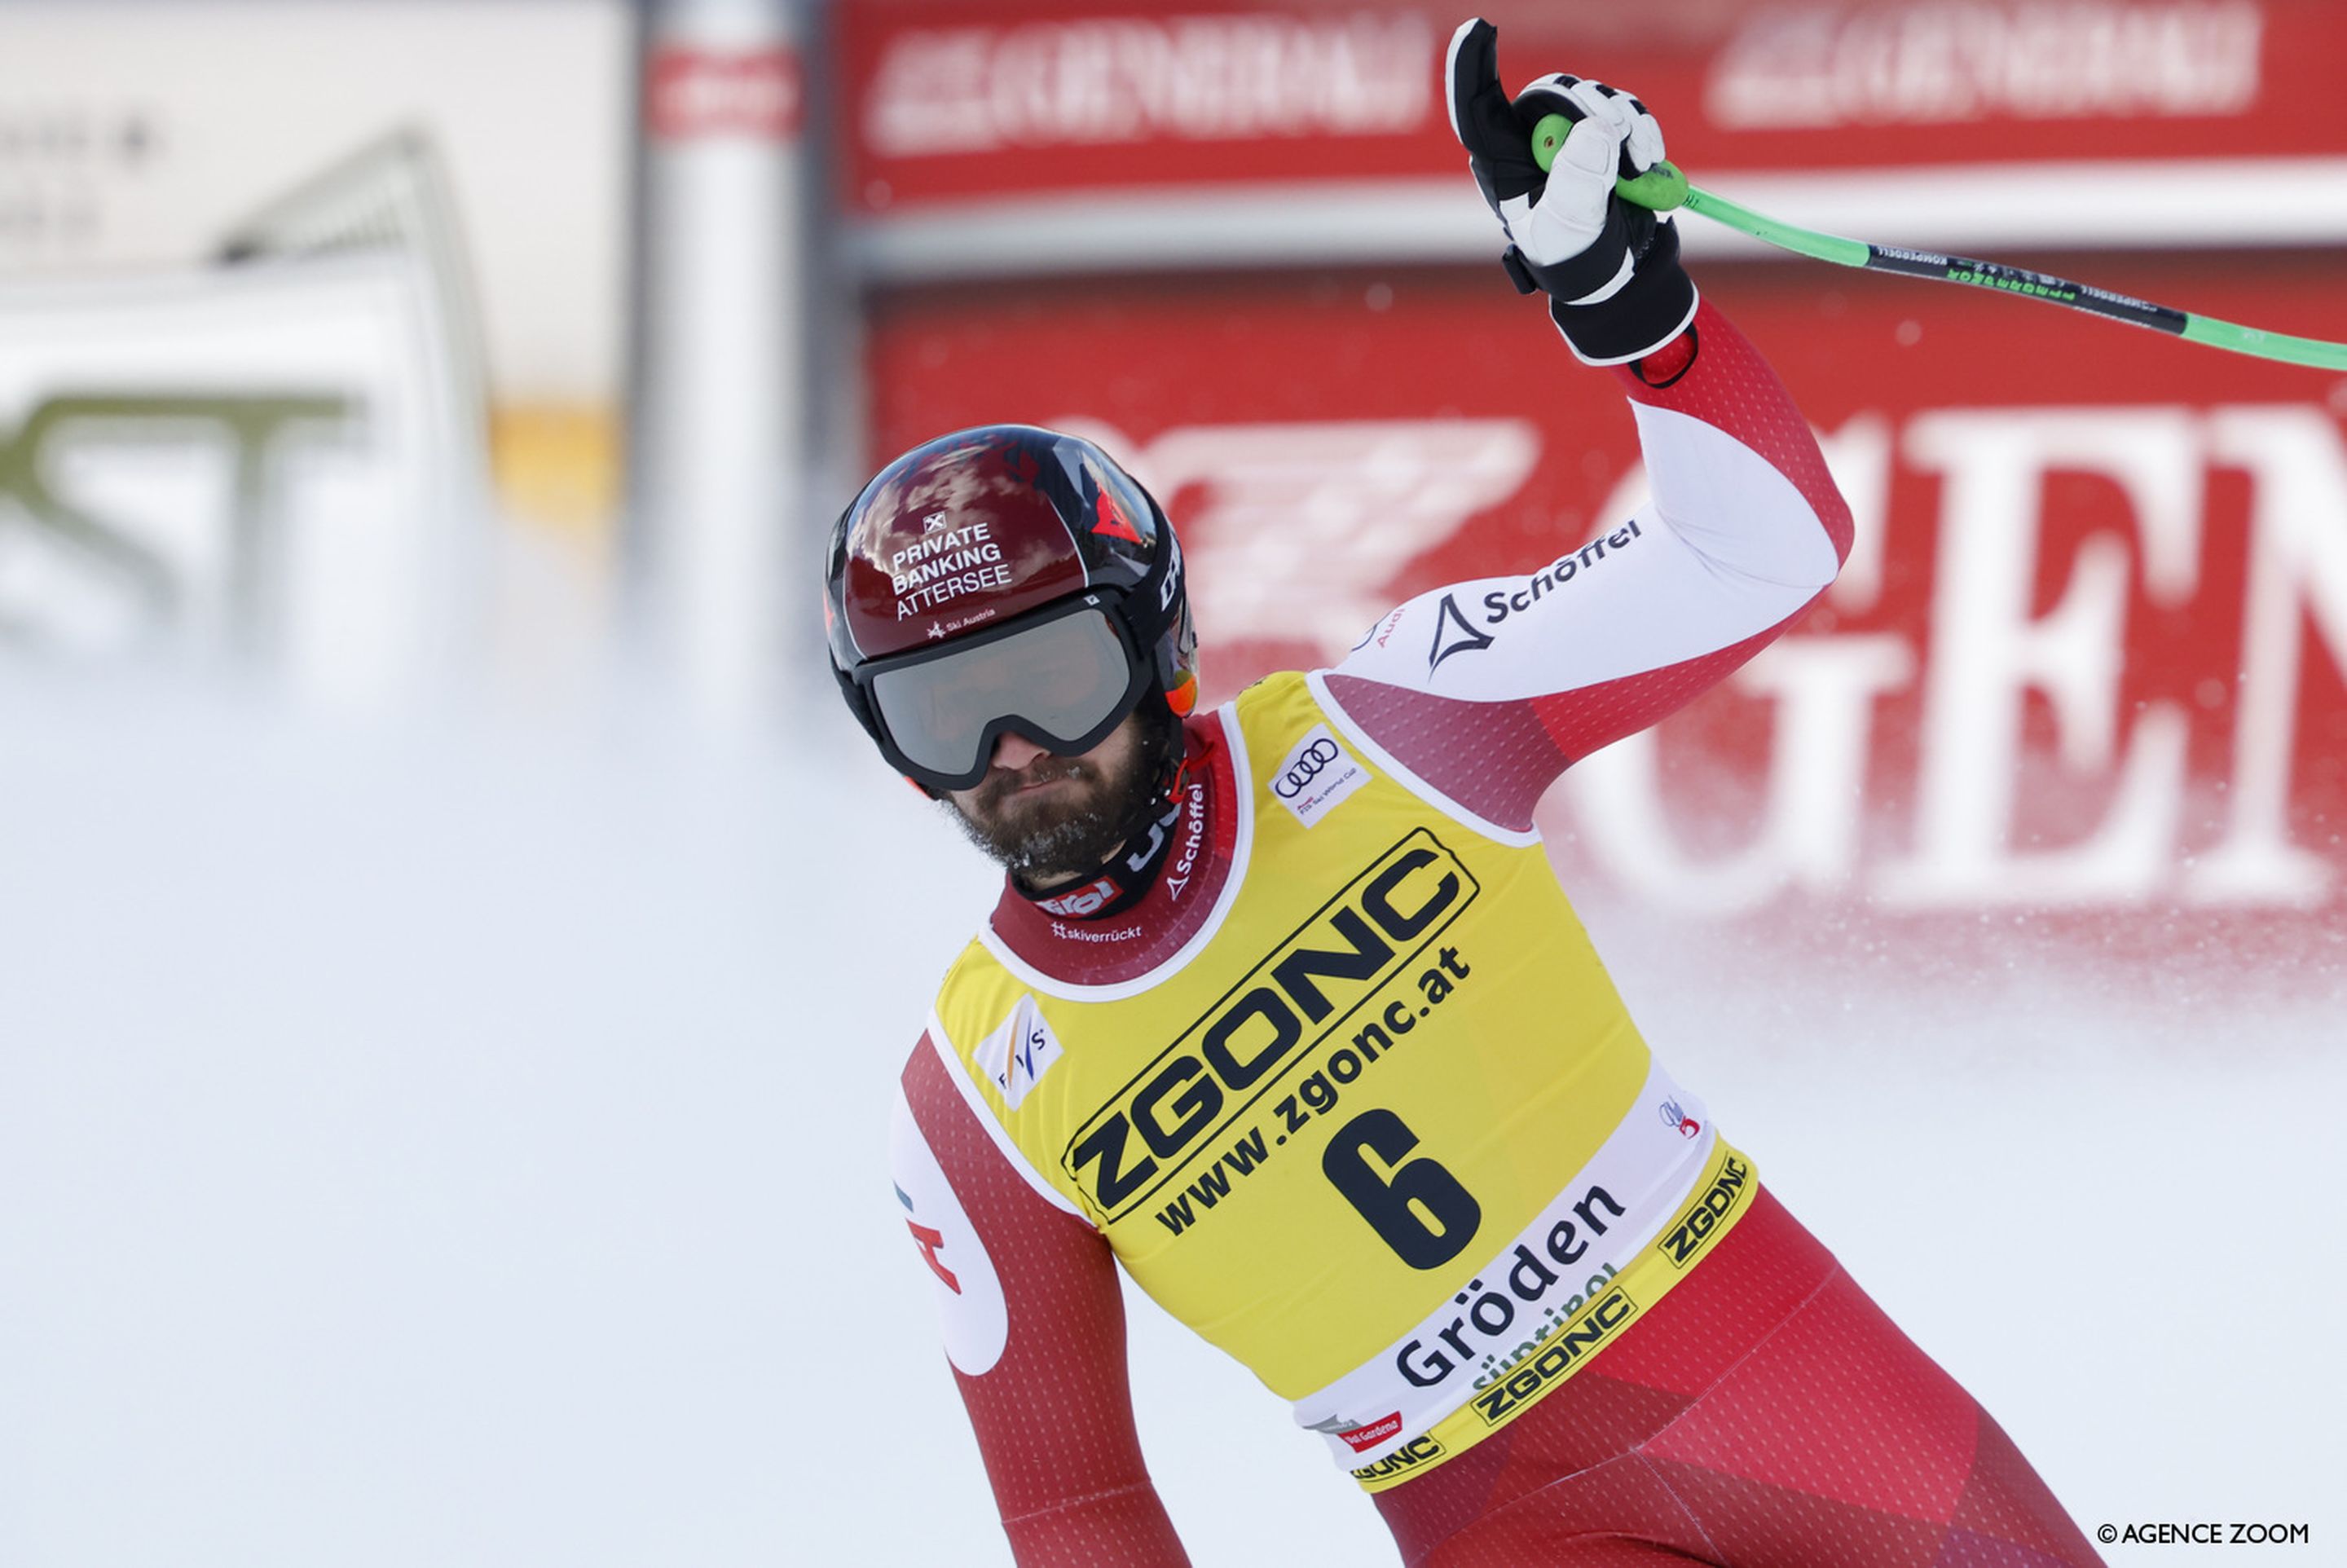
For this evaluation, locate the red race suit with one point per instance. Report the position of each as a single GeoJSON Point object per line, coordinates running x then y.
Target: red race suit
{"type": "Point", "coordinates": [1405, 1155]}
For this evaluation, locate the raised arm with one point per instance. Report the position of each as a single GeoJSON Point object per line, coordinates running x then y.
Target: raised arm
{"type": "Point", "coordinates": [1034, 1326]}
{"type": "Point", "coordinates": [1487, 689]}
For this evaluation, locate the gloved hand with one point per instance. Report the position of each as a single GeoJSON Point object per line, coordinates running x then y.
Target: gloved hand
{"type": "Point", "coordinates": [1610, 268]}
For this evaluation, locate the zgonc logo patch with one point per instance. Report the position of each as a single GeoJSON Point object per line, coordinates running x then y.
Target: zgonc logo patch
{"type": "Point", "coordinates": [1293, 1000]}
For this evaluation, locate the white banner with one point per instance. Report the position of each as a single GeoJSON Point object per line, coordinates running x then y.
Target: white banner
{"type": "Point", "coordinates": [263, 461]}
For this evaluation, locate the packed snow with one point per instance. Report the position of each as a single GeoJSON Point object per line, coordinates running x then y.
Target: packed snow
{"type": "Point", "coordinates": [459, 1139]}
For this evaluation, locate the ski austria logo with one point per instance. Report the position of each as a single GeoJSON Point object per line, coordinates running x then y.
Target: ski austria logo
{"type": "Point", "coordinates": [976, 1315]}
{"type": "Point", "coordinates": [1015, 1057]}
{"type": "Point", "coordinates": [930, 1241]}
{"type": "Point", "coordinates": [1675, 1118]}
{"type": "Point", "coordinates": [1316, 776]}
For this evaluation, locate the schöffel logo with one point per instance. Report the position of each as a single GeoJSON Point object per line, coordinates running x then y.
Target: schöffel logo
{"type": "Point", "coordinates": [1294, 997]}
{"type": "Point", "coordinates": [1718, 1201]}
{"type": "Point", "coordinates": [1318, 775]}
{"type": "Point", "coordinates": [1453, 634]}
{"type": "Point", "coordinates": [1408, 1457]}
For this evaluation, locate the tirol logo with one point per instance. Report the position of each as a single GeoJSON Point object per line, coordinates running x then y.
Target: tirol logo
{"type": "Point", "coordinates": [1082, 901]}
{"type": "Point", "coordinates": [1675, 1118]}
{"type": "Point", "coordinates": [1454, 633]}
{"type": "Point", "coordinates": [1315, 776]}
{"type": "Point", "coordinates": [1017, 1055]}
{"type": "Point", "coordinates": [1296, 996]}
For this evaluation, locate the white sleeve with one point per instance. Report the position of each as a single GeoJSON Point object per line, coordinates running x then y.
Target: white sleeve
{"type": "Point", "coordinates": [1727, 549]}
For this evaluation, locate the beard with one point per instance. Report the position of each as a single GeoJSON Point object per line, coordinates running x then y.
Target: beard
{"type": "Point", "coordinates": [1079, 825]}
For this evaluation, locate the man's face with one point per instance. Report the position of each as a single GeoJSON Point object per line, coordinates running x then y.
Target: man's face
{"type": "Point", "coordinates": [1050, 819]}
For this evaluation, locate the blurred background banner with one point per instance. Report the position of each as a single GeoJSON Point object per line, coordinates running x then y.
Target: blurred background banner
{"type": "Point", "coordinates": [2086, 653]}
{"type": "Point", "coordinates": [265, 462]}
{"type": "Point", "coordinates": [326, 301]}
{"type": "Point", "coordinates": [2086, 657]}
{"type": "Point", "coordinates": [1317, 131]}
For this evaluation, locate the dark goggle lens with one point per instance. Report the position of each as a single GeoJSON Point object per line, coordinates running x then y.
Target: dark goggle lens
{"type": "Point", "coordinates": [1066, 677]}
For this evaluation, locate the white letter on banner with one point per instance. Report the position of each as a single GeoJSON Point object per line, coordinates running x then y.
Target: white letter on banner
{"type": "Point", "coordinates": [1988, 651]}
{"type": "Point", "coordinates": [2298, 571]}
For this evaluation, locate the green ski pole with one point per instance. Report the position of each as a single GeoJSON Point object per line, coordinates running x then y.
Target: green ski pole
{"type": "Point", "coordinates": [1664, 188]}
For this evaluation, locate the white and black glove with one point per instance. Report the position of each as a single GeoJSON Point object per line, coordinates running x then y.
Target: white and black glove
{"type": "Point", "coordinates": [1610, 268]}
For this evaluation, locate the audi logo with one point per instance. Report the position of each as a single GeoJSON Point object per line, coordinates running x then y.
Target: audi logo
{"type": "Point", "coordinates": [1307, 767]}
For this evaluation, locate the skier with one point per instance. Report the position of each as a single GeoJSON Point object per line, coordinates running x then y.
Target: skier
{"type": "Point", "coordinates": [1283, 1009]}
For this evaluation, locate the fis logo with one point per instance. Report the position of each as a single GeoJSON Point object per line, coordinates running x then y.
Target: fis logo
{"type": "Point", "coordinates": [1015, 1057]}
{"type": "Point", "coordinates": [1677, 1119]}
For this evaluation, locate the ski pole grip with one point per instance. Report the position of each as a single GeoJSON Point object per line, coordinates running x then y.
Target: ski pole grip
{"type": "Point", "coordinates": [1659, 190]}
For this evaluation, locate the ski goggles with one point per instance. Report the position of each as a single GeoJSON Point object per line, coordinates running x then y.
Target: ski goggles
{"type": "Point", "coordinates": [1065, 677]}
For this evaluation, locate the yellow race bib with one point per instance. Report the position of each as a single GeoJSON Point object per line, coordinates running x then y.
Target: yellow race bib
{"type": "Point", "coordinates": [1383, 1131]}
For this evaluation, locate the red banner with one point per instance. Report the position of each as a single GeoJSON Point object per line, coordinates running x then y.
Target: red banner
{"type": "Point", "coordinates": [950, 100]}
{"type": "Point", "coordinates": [2088, 654]}
{"type": "Point", "coordinates": [694, 94]}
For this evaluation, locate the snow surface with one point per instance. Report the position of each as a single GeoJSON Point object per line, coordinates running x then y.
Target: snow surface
{"type": "Point", "coordinates": [460, 1141]}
